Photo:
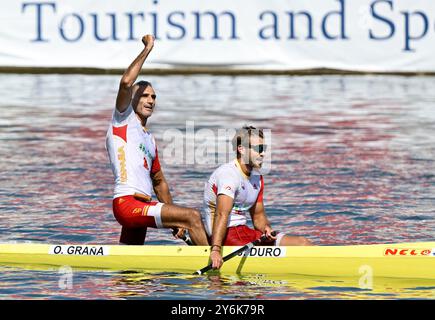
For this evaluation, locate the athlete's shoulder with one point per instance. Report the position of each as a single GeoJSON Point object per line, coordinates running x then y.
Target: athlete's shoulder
{"type": "Point", "coordinates": [228, 167]}
{"type": "Point", "coordinates": [226, 171]}
{"type": "Point", "coordinates": [122, 117]}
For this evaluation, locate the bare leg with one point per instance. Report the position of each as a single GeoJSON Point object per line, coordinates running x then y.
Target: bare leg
{"type": "Point", "coordinates": [295, 241]}
{"type": "Point", "coordinates": [187, 218]}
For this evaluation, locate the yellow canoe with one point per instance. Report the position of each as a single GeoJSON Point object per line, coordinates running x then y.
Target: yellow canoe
{"type": "Point", "coordinates": [400, 260]}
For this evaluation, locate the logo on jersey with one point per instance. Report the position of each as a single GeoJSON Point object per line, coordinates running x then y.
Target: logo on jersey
{"type": "Point", "coordinates": [122, 164]}
{"type": "Point", "coordinates": [120, 132]}
{"type": "Point", "coordinates": [147, 154]}
{"type": "Point", "coordinates": [228, 188]}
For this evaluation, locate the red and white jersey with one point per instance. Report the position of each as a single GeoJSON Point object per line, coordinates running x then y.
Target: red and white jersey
{"type": "Point", "coordinates": [229, 179]}
{"type": "Point", "coordinates": [133, 154]}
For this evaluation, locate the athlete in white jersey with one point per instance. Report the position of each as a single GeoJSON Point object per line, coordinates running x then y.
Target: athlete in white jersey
{"type": "Point", "coordinates": [229, 179]}
{"type": "Point", "coordinates": [131, 178]}
{"type": "Point", "coordinates": [135, 164]}
{"type": "Point", "coordinates": [235, 190]}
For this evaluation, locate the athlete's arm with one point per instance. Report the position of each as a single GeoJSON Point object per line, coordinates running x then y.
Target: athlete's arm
{"type": "Point", "coordinates": [161, 187]}
{"type": "Point", "coordinates": [224, 205]}
{"type": "Point", "coordinates": [130, 75]}
{"type": "Point", "coordinates": [260, 221]}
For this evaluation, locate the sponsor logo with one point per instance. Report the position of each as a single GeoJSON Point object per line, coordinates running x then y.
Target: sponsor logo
{"type": "Point", "coordinates": [137, 210]}
{"type": "Point", "coordinates": [145, 151]}
{"type": "Point", "coordinates": [275, 252]}
{"type": "Point", "coordinates": [79, 250]}
{"type": "Point", "coordinates": [407, 252]}
{"type": "Point", "coordinates": [122, 164]}
{"type": "Point", "coordinates": [145, 163]}
{"type": "Point", "coordinates": [227, 188]}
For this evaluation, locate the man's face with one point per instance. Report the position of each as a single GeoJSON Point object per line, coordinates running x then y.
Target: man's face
{"type": "Point", "coordinates": [254, 154]}
{"type": "Point", "coordinates": [144, 100]}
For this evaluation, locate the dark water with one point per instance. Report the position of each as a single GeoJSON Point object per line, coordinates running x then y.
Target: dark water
{"type": "Point", "coordinates": [352, 162]}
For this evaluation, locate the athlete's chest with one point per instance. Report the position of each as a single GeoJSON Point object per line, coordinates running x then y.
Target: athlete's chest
{"type": "Point", "coordinates": [248, 190]}
{"type": "Point", "coordinates": [140, 143]}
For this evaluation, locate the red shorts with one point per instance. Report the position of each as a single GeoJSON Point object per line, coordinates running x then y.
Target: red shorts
{"type": "Point", "coordinates": [241, 235]}
{"type": "Point", "coordinates": [135, 216]}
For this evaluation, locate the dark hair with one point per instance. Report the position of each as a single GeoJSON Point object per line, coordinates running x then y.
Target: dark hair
{"type": "Point", "coordinates": [243, 136]}
{"type": "Point", "coordinates": [143, 83]}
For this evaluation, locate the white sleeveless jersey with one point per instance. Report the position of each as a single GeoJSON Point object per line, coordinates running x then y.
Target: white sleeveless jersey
{"type": "Point", "coordinates": [230, 180]}
{"type": "Point", "coordinates": [133, 154]}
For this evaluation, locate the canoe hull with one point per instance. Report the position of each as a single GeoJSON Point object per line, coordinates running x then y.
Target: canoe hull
{"type": "Point", "coordinates": [406, 260]}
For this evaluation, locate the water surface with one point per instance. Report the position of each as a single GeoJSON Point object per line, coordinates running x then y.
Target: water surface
{"type": "Point", "coordinates": [352, 162]}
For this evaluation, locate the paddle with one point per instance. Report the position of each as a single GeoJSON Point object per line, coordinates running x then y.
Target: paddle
{"type": "Point", "coordinates": [235, 253]}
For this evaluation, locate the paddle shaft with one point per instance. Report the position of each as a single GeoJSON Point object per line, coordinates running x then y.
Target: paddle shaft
{"type": "Point", "coordinates": [236, 252]}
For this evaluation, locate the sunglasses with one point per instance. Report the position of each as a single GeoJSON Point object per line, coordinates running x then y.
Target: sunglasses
{"type": "Point", "coordinates": [259, 148]}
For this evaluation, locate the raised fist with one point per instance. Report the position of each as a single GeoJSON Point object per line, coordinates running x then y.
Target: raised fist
{"type": "Point", "coordinates": [148, 40]}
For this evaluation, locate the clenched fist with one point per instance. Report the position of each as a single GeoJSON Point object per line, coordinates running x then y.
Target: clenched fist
{"type": "Point", "coordinates": [148, 41]}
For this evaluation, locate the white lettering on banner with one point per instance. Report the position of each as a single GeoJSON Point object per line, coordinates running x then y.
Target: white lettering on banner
{"type": "Point", "coordinates": [397, 34]}
{"type": "Point", "coordinates": [79, 250]}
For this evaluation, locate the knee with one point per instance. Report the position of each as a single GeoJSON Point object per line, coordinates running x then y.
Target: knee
{"type": "Point", "coordinates": [195, 218]}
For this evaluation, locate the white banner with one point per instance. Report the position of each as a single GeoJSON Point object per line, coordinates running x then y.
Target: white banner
{"type": "Point", "coordinates": [361, 35]}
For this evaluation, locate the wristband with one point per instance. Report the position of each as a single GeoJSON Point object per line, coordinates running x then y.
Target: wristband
{"type": "Point", "coordinates": [215, 245]}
